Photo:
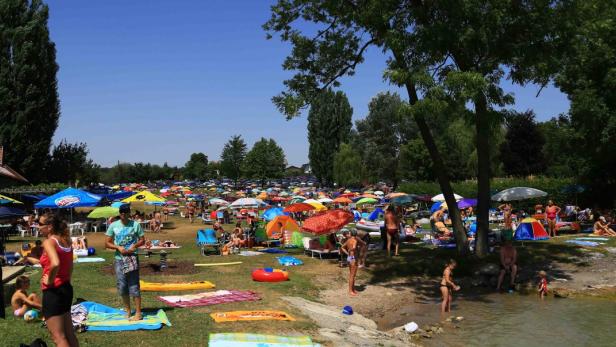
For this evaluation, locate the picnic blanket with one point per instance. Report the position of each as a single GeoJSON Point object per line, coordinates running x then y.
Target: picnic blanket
{"type": "Point", "coordinates": [89, 260]}
{"type": "Point", "coordinates": [207, 299]}
{"type": "Point", "coordinates": [289, 261]}
{"type": "Point", "coordinates": [250, 253]}
{"type": "Point", "coordinates": [165, 287]}
{"type": "Point", "coordinates": [158, 248]}
{"type": "Point", "coordinates": [235, 316]}
{"type": "Point", "coordinates": [273, 251]}
{"type": "Point", "coordinates": [105, 318]}
{"type": "Point", "coordinates": [584, 243]}
{"type": "Point", "coordinates": [258, 340]}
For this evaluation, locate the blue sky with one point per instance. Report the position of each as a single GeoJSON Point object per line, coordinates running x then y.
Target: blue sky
{"type": "Point", "coordinates": [155, 81]}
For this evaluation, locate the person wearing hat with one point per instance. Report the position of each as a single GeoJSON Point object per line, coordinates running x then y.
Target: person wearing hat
{"type": "Point", "coordinates": [126, 236]}
{"type": "Point", "coordinates": [602, 228]}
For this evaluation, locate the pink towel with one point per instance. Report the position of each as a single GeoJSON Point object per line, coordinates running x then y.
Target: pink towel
{"type": "Point", "coordinates": [212, 298]}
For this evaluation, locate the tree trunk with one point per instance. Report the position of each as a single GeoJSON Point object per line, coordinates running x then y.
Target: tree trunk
{"type": "Point", "coordinates": [441, 174]}
{"type": "Point", "coordinates": [2, 313]}
{"type": "Point", "coordinates": [482, 126]}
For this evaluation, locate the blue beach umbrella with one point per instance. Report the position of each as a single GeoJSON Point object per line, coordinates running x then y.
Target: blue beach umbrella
{"type": "Point", "coordinates": [272, 213]}
{"type": "Point", "coordinates": [69, 198]}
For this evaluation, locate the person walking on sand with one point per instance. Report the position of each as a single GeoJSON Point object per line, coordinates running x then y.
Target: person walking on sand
{"type": "Point", "coordinates": [392, 226]}
{"type": "Point", "coordinates": [551, 212]}
{"type": "Point", "coordinates": [126, 236]}
{"type": "Point", "coordinates": [447, 286]}
{"type": "Point", "coordinates": [57, 264]}
{"type": "Point", "coordinates": [351, 248]}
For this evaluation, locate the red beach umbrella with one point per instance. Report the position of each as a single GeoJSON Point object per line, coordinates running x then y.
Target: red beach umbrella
{"type": "Point", "coordinates": [327, 222]}
{"type": "Point", "coordinates": [299, 207]}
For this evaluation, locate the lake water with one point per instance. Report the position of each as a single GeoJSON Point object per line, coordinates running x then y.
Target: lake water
{"type": "Point", "coordinates": [518, 320]}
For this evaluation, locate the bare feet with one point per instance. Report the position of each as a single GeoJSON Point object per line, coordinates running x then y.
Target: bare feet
{"type": "Point", "coordinates": [353, 294]}
{"type": "Point", "coordinates": [136, 317]}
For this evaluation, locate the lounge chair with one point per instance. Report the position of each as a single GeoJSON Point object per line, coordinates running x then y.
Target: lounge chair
{"type": "Point", "coordinates": [206, 219]}
{"type": "Point", "coordinates": [207, 239]}
{"type": "Point", "coordinates": [320, 252]}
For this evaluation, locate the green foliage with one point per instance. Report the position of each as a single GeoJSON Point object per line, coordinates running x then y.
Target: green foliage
{"type": "Point", "coordinates": [329, 124]}
{"type": "Point", "coordinates": [561, 149]}
{"type": "Point", "coordinates": [522, 150]}
{"type": "Point", "coordinates": [138, 172]}
{"type": "Point", "coordinates": [232, 158]}
{"type": "Point", "coordinates": [69, 163]}
{"type": "Point", "coordinates": [265, 160]}
{"type": "Point", "coordinates": [196, 167]}
{"type": "Point", "coordinates": [347, 169]}
{"type": "Point", "coordinates": [29, 105]}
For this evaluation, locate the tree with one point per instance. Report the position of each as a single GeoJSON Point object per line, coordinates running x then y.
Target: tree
{"type": "Point", "coordinates": [329, 124]}
{"type": "Point", "coordinates": [386, 129]}
{"type": "Point", "coordinates": [562, 147]}
{"type": "Point", "coordinates": [232, 158]}
{"type": "Point", "coordinates": [347, 170]}
{"type": "Point", "coordinates": [265, 160]}
{"type": "Point", "coordinates": [196, 167]}
{"type": "Point", "coordinates": [588, 77]}
{"type": "Point", "coordinates": [445, 54]}
{"type": "Point", "coordinates": [69, 163]}
{"type": "Point", "coordinates": [522, 150]}
{"type": "Point", "coordinates": [29, 105]}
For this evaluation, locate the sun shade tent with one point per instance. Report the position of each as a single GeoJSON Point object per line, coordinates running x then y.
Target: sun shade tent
{"type": "Point", "coordinates": [272, 213]}
{"type": "Point", "coordinates": [247, 203]}
{"type": "Point", "coordinates": [143, 196]}
{"type": "Point", "coordinates": [328, 222]}
{"type": "Point", "coordinates": [69, 198]}
{"type": "Point", "coordinates": [530, 229]}
{"type": "Point", "coordinates": [275, 228]}
{"type": "Point", "coordinates": [299, 207]}
{"type": "Point", "coordinates": [518, 193]}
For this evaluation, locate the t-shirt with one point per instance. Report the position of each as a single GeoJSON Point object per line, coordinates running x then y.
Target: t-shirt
{"type": "Point", "coordinates": [124, 235]}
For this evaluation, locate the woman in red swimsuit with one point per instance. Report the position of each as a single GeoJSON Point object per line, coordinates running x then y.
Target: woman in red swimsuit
{"type": "Point", "coordinates": [57, 264]}
{"type": "Point", "coordinates": [551, 211]}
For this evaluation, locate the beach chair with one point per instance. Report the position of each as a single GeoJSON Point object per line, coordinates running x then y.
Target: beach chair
{"type": "Point", "coordinates": [206, 219]}
{"type": "Point", "coordinates": [307, 249]}
{"type": "Point", "coordinates": [206, 239]}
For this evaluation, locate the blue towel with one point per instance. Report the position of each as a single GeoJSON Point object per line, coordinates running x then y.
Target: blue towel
{"type": "Point", "coordinates": [105, 318]}
{"type": "Point", "coordinates": [583, 243]}
{"type": "Point", "coordinates": [273, 251]}
{"type": "Point", "coordinates": [289, 261]}
{"type": "Point", "coordinates": [592, 238]}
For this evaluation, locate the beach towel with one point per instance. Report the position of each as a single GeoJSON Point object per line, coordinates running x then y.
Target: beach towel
{"type": "Point", "coordinates": [289, 261]}
{"type": "Point", "coordinates": [249, 253]}
{"type": "Point", "coordinates": [258, 340]}
{"type": "Point", "coordinates": [584, 243]}
{"type": "Point", "coordinates": [592, 238]}
{"type": "Point", "coordinates": [105, 318]}
{"type": "Point", "coordinates": [165, 287]}
{"type": "Point", "coordinates": [207, 299]}
{"type": "Point", "coordinates": [235, 316]}
{"type": "Point", "coordinates": [89, 260]}
{"type": "Point", "coordinates": [273, 251]}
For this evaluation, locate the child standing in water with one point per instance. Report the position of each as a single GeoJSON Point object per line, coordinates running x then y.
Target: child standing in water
{"type": "Point", "coordinates": [543, 284]}
{"type": "Point", "coordinates": [447, 286]}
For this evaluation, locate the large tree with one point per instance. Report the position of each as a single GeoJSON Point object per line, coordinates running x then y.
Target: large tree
{"type": "Point", "coordinates": [522, 150]}
{"type": "Point", "coordinates": [69, 163]}
{"type": "Point", "coordinates": [196, 167]}
{"type": "Point", "coordinates": [444, 53]}
{"type": "Point", "coordinates": [329, 124]}
{"type": "Point", "coordinates": [347, 166]}
{"type": "Point", "coordinates": [562, 147]}
{"type": "Point", "coordinates": [232, 158]}
{"type": "Point", "coordinates": [265, 160]}
{"type": "Point", "coordinates": [29, 106]}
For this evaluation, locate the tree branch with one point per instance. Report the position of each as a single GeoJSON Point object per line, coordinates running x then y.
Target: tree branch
{"type": "Point", "coordinates": [349, 66]}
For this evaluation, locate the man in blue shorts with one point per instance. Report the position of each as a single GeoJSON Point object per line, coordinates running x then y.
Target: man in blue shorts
{"type": "Point", "coordinates": [126, 236]}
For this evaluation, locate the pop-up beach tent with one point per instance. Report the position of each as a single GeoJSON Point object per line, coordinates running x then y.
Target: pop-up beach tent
{"type": "Point", "coordinates": [530, 229]}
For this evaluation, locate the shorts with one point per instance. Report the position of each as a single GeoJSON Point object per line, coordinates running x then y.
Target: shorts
{"type": "Point", "coordinates": [127, 283]}
{"type": "Point", "coordinates": [57, 301]}
{"type": "Point", "coordinates": [393, 232]}
{"type": "Point", "coordinates": [350, 259]}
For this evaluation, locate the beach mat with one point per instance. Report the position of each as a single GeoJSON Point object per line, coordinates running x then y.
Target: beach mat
{"type": "Point", "coordinates": [105, 318]}
{"type": "Point", "coordinates": [212, 298]}
{"type": "Point", "coordinates": [89, 260]}
{"type": "Point", "coordinates": [289, 261]}
{"type": "Point", "coordinates": [244, 316]}
{"type": "Point", "coordinates": [250, 253]}
{"type": "Point", "coordinates": [592, 238]}
{"type": "Point", "coordinates": [259, 340]}
{"type": "Point", "coordinates": [165, 287]}
{"type": "Point", "coordinates": [584, 243]}
{"type": "Point", "coordinates": [219, 264]}
{"type": "Point", "coordinates": [273, 251]}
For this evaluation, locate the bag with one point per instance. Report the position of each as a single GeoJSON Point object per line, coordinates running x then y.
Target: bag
{"type": "Point", "coordinates": [129, 263]}
{"type": "Point", "coordinates": [36, 343]}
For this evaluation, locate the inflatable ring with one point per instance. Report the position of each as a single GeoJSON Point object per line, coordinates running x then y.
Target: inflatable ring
{"type": "Point", "coordinates": [273, 275]}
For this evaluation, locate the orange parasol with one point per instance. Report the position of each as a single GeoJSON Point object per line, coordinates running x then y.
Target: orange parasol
{"type": "Point", "coordinates": [299, 207]}
{"type": "Point", "coordinates": [342, 200]}
{"type": "Point", "coordinates": [327, 222]}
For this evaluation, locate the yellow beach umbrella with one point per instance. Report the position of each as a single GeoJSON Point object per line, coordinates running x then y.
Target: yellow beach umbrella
{"type": "Point", "coordinates": [10, 200]}
{"type": "Point", "coordinates": [317, 205]}
{"type": "Point", "coordinates": [144, 196]}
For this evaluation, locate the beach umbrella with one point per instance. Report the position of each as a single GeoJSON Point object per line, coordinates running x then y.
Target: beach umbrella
{"type": "Point", "coordinates": [218, 202]}
{"type": "Point", "coordinates": [143, 196]}
{"type": "Point", "coordinates": [299, 207]}
{"type": "Point", "coordinates": [247, 203]}
{"type": "Point", "coordinates": [156, 203]}
{"type": "Point", "coordinates": [368, 192]}
{"type": "Point", "coordinates": [342, 200]}
{"type": "Point", "coordinates": [376, 214]}
{"type": "Point", "coordinates": [117, 204]}
{"type": "Point", "coordinates": [518, 193]}
{"type": "Point", "coordinates": [401, 200]}
{"type": "Point", "coordinates": [325, 223]}
{"type": "Point", "coordinates": [68, 198]}
{"type": "Point", "coordinates": [6, 200]}
{"type": "Point", "coordinates": [370, 196]}
{"type": "Point", "coordinates": [379, 193]}
{"type": "Point", "coordinates": [279, 199]}
{"type": "Point", "coordinates": [441, 198]}
{"type": "Point", "coordinates": [325, 200]}
{"type": "Point", "coordinates": [364, 201]}
{"type": "Point", "coordinates": [436, 206]}
{"type": "Point", "coordinates": [11, 212]}
{"type": "Point", "coordinates": [530, 229]}
{"type": "Point", "coordinates": [104, 212]}
{"type": "Point", "coordinates": [466, 203]}
{"type": "Point", "coordinates": [394, 195]}
{"type": "Point", "coordinates": [317, 205]}
{"type": "Point", "coordinates": [272, 213]}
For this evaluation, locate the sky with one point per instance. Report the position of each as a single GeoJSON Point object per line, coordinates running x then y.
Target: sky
{"type": "Point", "coordinates": [154, 81]}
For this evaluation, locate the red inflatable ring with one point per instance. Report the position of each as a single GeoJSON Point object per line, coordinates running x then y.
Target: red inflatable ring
{"type": "Point", "coordinates": [260, 275]}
